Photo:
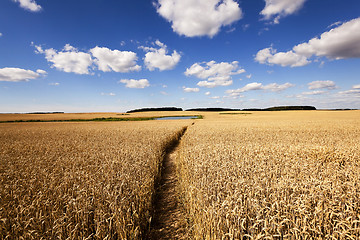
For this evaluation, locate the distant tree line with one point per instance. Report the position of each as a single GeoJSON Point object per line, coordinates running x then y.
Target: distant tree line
{"type": "Point", "coordinates": [44, 112]}
{"type": "Point", "coordinates": [279, 108]}
{"type": "Point", "coordinates": [282, 108]}
{"type": "Point", "coordinates": [155, 109]}
{"type": "Point", "coordinates": [212, 109]}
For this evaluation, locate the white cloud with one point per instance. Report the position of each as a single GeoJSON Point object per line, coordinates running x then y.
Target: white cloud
{"type": "Point", "coordinates": [335, 24]}
{"type": "Point", "coordinates": [70, 59]}
{"type": "Point", "coordinates": [115, 60]}
{"type": "Point", "coordinates": [199, 17]}
{"type": "Point", "coordinates": [215, 97]}
{"type": "Point", "coordinates": [217, 74]}
{"type": "Point", "coordinates": [186, 89]}
{"type": "Point", "coordinates": [274, 87]}
{"type": "Point", "coordinates": [19, 75]}
{"type": "Point", "coordinates": [270, 56]}
{"type": "Point", "coordinates": [43, 72]}
{"type": "Point", "coordinates": [208, 93]}
{"type": "Point", "coordinates": [276, 9]}
{"type": "Point", "coordinates": [249, 76]}
{"type": "Point", "coordinates": [338, 43]}
{"type": "Point", "coordinates": [67, 60]}
{"type": "Point", "coordinates": [314, 93]}
{"type": "Point", "coordinates": [247, 87]}
{"type": "Point", "coordinates": [354, 91]}
{"type": "Point", "coordinates": [341, 42]}
{"type": "Point", "coordinates": [108, 94]}
{"type": "Point", "coordinates": [1, 34]}
{"type": "Point", "coordinates": [322, 85]}
{"type": "Point", "coordinates": [30, 5]}
{"type": "Point", "coordinates": [158, 58]}
{"type": "Point", "coordinates": [131, 83]}
{"type": "Point", "coordinates": [54, 84]}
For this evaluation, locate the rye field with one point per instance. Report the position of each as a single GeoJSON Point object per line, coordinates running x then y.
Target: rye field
{"type": "Point", "coordinates": [262, 175]}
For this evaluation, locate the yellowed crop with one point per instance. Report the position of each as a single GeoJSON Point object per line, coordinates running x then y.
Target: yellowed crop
{"type": "Point", "coordinates": [80, 180]}
{"type": "Point", "coordinates": [273, 176]}
{"type": "Point", "coordinates": [265, 175]}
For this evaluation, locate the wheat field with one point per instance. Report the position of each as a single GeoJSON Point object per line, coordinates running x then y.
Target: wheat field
{"type": "Point", "coordinates": [262, 175]}
{"type": "Point", "coordinates": [292, 175]}
{"type": "Point", "coordinates": [80, 180]}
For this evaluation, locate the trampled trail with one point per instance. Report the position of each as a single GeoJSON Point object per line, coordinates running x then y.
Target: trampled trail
{"type": "Point", "coordinates": [169, 221]}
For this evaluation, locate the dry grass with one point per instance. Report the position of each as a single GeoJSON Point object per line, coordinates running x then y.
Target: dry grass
{"type": "Point", "coordinates": [283, 175]}
{"type": "Point", "coordinates": [80, 180]}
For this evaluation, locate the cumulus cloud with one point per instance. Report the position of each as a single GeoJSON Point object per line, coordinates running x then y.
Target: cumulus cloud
{"type": "Point", "coordinates": [356, 86]}
{"type": "Point", "coordinates": [270, 56]}
{"type": "Point", "coordinates": [19, 75]}
{"type": "Point", "coordinates": [322, 85]}
{"type": "Point", "coordinates": [131, 83]}
{"type": "Point", "coordinates": [217, 74]}
{"type": "Point", "coordinates": [199, 17]}
{"type": "Point", "coordinates": [186, 89]}
{"type": "Point", "coordinates": [208, 93]}
{"type": "Point", "coordinates": [247, 87]}
{"type": "Point", "coordinates": [276, 9]}
{"type": "Point", "coordinates": [274, 87]}
{"type": "Point", "coordinates": [70, 59]}
{"type": "Point", "coordinates": [30, 5]}
{"type": "Point", "coordinates": [341, 42]}
{"type": "Point", "coordinates": [114, 60]}
{"type": "Point", "coordinates": [158, 58]}
{"type": "Point", "coordinates": [338, 43]}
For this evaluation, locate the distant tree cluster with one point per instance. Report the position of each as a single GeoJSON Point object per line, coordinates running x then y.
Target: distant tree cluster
{"type": "Point", "coordinates": [282, 108]}
{"type": "Point", "coordinates": [155, 109]}
{"type": "Point", "coordinates": [44, 112]}
{"type": "Point", "coordinates": [212, 109]}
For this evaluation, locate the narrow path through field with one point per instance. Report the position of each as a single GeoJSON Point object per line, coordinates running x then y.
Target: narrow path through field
{"type": "Point", "coordinates": [169, 221]}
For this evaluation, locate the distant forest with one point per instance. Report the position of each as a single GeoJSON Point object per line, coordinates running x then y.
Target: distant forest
{"type": "Point", "coordinates": [155, 109]}
{"type": "Point", "coordinates": [279, 108]}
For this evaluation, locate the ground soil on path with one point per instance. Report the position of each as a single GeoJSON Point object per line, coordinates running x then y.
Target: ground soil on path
{"type": "Point", "coordinates": [169, 221]}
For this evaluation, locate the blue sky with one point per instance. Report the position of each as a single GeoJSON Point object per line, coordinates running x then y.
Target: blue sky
{"type": "Point", "coordinates": [117, 55]}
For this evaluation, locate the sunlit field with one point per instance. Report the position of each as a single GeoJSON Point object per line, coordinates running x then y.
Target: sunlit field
{"type": "Point", "coordinates": [80, 180]}
{"type": "Point", "coordinates": [261, 175]}
{"type": "Point", "coordinates": [283, 175]}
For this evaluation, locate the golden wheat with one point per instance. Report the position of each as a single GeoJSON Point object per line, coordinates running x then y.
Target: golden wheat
{"type": "Point", "coordinates": [273, 176]}
{"type": "Point", "coordinates": [80, 180]}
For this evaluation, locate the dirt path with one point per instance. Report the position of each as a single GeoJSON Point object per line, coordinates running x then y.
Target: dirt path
{"type": "Point", "coordinates": [169, 221]}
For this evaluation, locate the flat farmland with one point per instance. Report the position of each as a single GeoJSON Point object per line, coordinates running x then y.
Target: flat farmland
{"type": "Point", "coordinates": [238, 175]}
{"type": "Point", "coordinates": [68, 116]}
{"type": "Point", "coordinates": [80, 180]}
{"type": "Point", "coordinates": [273, 175]}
